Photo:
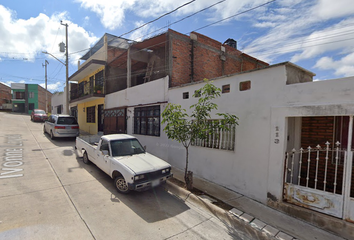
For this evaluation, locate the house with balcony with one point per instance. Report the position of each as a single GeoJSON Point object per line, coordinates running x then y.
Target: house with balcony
{"type": "Point", "coordinates": [87, 87]}
{"type": "Point", "coordinates": [27, 97]}
{"type": "Point", "coordinates": [137, 80]}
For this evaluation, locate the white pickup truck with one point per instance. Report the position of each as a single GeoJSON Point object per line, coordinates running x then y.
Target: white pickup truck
{"type": "Point", "coordinates": [123, 158]}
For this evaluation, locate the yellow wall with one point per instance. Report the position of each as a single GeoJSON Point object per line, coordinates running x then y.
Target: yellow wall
{"type": "Point", "coordinates": [88, 127]}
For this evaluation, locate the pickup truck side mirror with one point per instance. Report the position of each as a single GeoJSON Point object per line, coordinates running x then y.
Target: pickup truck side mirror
{"type": "Point", "coordinates": [145, 147]}
{"type": "Point", "coordinates": [105, 152]}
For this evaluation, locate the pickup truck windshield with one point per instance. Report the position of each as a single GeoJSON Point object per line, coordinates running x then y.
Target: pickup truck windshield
{"type": "Point", "coordinates": [126, 147]}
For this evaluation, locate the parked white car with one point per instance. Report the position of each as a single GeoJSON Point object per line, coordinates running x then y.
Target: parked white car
{"type": "Point", "coordinates": [61, 126]}
{"type": "Point", "coordinates": [123, 158]}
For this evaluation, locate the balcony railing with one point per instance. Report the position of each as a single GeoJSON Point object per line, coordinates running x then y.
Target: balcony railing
{"type": "Point", "coordinates": [86, 89]}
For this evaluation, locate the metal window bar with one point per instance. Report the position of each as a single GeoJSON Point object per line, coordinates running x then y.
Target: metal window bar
{"type": "Point", "coordinates": [313, 172]}
{"type": "Point", "coordinates": [217, 138]}
{"type": "Point", "coordinates": [308, 166]}
{"type": "Point", "coordinates": [335, 173]}
{"type": "Point", "coordinates": [286, 166]}
{"type": "Point", "coordinates": [300, 163]}
{"type": "Point", "coordinates": [317, 159]}
{"type": "Point", "coordinates": [326, 166]}
{"type": "Point", "coordinates": [292, 165]}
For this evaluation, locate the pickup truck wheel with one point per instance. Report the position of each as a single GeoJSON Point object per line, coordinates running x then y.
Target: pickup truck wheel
{"type": "Point", "coordinates": [85, 158]}
{"type": "Point", "coordinates": [121, 185]}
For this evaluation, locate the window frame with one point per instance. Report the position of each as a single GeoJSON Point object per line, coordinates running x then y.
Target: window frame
{"type": "Point", "coordinates": [145, 122]}
{"type": "Point", "coordinates": [218, 139]}
{"type": "Point", "coordinates": [91, 114]}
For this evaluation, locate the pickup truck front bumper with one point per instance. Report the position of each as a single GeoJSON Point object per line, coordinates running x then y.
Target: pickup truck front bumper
{"type": "Point", "coordinates": [141, 186]}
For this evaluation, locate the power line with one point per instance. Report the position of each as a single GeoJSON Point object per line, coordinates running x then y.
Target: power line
{"type": "Point", "coordinates": [162, 27]}
{"type": "Point", "coordinates": [300, 48]}
{"type": "Point", "coordinates": [55, 39]}
{"type": "Point", "coordinates": [197, 13]}
{"type": "Point", "coordinates": [248, 10]}
{"type": "Point", "coordinates": [191, 15]}
{"type": "Point", "coordinates": [163, 15]}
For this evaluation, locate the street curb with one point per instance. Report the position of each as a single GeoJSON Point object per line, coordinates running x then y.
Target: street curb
{"type": "Point", "coordinates": [250, 226]}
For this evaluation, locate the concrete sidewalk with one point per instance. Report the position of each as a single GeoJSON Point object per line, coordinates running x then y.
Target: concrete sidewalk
{"type": "Point", "coordinates": [258, 220]}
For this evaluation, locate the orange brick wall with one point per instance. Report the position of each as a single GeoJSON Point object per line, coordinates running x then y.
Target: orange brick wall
{"type": "Point", "coordinates": [206, 59]}
{"type": "Point", "coordinates": [5, 94]}
{"type": "Point", "coordinates": [41, 99]}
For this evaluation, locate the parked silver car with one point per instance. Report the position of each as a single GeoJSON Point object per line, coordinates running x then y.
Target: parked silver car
{"type": "Point", "coordinates": [61, 126]}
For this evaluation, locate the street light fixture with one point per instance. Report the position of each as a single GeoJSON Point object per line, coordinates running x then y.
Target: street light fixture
{"type": "Point", "coordinates": [66, 64]}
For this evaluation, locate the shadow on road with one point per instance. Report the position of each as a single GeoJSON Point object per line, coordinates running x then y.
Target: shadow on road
{"type": "Point", "coordinates": [152, 205]}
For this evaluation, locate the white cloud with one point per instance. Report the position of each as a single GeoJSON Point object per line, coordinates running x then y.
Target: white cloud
{"type": "Point", "coordinates": [264, 24]}
{"type": "Point", "coordinates": [86, 21]}
{"type": "Point", "coordinates": [142, 33]}
{"type": "Point", "coordinates": [305, 30]}
{"type": "Point", "coordinates": [112, 14]}
{"type": "Point", "coordinates": [53, 86]}
{"type": "Point", "coordinates": [328, 9]}
{"type": "Point", "coordinates": [342, 67]}
{"type": "Point", "coordinates": [27, 38]}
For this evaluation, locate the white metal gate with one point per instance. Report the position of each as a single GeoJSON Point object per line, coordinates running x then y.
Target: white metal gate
{"type": "Point", "coordinates": [321, 178]}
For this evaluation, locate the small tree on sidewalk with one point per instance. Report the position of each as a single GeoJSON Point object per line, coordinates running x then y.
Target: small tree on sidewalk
{"type": "Point", "coordinates": [186, 129]}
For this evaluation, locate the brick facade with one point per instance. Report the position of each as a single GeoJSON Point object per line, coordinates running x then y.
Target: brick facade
{"type": "Point", "coordinates": [194, 60]}
{"type": "Point", "coordinates": [42, 97]}
{"type": "Point", "coordinates": [5, 94]}
{"type": "Point", "coordinates": [184, 58]}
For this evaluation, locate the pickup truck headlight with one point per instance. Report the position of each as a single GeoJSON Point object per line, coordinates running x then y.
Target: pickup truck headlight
{"type": "Point", "coordinates": [165, 170]}
{"type": "Point", "coordinates": [138, 177]}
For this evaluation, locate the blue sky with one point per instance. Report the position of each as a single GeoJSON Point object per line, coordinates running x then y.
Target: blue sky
{"type": "Point", "coordinates": [316, 35]}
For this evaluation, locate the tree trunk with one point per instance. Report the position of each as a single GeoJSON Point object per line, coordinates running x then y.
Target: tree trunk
{"type": "Point", "coordinates": [189, 181]}
{"type": "Point", "coordinates": [188, 175]}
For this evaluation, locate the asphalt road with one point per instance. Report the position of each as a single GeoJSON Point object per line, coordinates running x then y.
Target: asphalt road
{"type": "Point", "coordinates": [47, 192]}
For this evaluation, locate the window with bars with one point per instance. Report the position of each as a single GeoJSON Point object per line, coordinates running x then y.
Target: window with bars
{"type": "Point", "coordinates": [90, 114]}
{"type": "Point", "coordinates": [81, 88]}
{"type": "Point", "coordinates": [19, 95]}
{"type": "Point", "coordinates": [218, 138]}
{"type": "Point", "coordinates": [147, 120]}
{"type": "Point", "coordinates": [99, 79]}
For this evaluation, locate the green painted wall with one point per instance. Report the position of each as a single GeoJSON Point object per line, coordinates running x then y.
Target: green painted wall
{"type": "Point", "coordinates": [33, 88]}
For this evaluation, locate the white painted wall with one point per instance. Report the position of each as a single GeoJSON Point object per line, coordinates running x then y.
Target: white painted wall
{"type": "Point", "coordinates": [58, 99]}
{"type": "Point", "coordinates": [256, 166]}
{"type": "Point", "coordinates": [151, 93]}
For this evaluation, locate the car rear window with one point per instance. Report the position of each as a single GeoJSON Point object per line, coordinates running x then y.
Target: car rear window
{"type": "Point", "coordinates": [39, 111]}
{"type": "Point", "coordinates": [66, 121]}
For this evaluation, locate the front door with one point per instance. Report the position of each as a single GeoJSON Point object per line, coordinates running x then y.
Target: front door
{"type": "Point", "coordinates": [319, 176]}
{"type": "Point", "coordinates": [100, 117]}
{"type": "Point", "coordinates": [115, 121]}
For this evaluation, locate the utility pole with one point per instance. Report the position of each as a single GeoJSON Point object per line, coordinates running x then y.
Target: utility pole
{"type": "Point", "coordinates": [67, 67]}
{"type": "Point", "coordinates": [46, 95]}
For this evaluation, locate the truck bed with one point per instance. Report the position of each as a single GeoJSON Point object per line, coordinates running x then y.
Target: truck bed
{"type": "Point", "coordinates": [87, 143]}
{"type": "Point", "coordinates": [91, 139]}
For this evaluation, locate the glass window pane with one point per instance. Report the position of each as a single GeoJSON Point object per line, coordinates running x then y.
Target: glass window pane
{"type": "Point", "coordinates": [137, 126]}
{"type": "Point", "coordinates": [143, 126]}
{"type": "Point", "coordinates": [150, 126]}
{"type": "Point", "coordinates": [156, 126]}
